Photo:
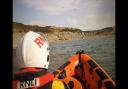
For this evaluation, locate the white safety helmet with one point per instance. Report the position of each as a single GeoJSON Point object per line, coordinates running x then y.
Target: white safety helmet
{"type": "Point", "coordinates": [32, 51]}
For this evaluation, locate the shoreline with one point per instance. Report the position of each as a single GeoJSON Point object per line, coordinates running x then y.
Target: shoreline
{"type": "Point", "coordinates": [52, 41]}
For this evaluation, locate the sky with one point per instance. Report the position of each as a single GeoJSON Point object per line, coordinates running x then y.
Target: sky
{"type": "Point", "coordinates": [83, 14]}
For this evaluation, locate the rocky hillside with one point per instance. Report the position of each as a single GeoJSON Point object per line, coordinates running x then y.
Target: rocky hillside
{"type": "Point", "coordinates": [55, 34]}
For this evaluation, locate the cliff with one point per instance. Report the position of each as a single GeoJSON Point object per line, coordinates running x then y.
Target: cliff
{"type": "Point", "coordinates": [55, 34]}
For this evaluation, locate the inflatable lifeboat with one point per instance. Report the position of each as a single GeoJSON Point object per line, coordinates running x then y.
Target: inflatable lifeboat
{"type": "Point", "coordinates": [83, 72]}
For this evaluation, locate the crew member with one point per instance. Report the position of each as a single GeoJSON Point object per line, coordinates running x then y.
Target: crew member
{"type": "Point", "coordinates": [32, 59]}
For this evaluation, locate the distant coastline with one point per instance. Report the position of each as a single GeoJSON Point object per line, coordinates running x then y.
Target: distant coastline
{"type": "Point", "coordinates": [58, 34]}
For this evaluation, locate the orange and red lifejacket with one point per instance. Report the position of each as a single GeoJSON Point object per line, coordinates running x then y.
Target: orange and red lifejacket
{"type": "Point", "coordinates": [32, 78]}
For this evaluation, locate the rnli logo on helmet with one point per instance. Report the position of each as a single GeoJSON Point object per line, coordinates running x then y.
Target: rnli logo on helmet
{"type": "Point", "coordinates": [28, 84]}
{"type": "Point", "coordinates": [39, 41]}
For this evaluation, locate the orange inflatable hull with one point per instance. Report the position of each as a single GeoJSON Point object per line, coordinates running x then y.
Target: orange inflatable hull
{"type": "Point", "coordinates": [84, 69]}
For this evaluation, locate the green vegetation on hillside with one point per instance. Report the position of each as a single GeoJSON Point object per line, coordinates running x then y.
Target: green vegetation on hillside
{"type": "Point", "coordinates": [19, 27]}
